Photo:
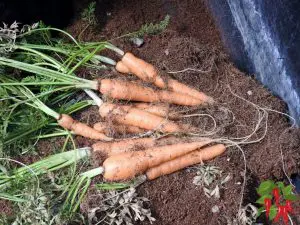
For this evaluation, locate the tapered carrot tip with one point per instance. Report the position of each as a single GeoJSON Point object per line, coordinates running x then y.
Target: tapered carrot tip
{"type": "Point", "coordinates": [209, 100]}
{"type": "Point", "coordinates": [179, 87]}
{"type": "Point", "coordinates": [189, 159]}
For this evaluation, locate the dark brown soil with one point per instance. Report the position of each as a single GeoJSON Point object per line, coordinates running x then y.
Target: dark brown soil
{"type": "Point", "coordinates": [192, 41]}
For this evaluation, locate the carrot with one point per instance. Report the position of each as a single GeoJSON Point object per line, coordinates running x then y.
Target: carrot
{"type": "Point", "coordinates": [176, 86]}
{"type": "Point", "coordinates": [113, 148]}
{"type": "Point", "coordinates": [127, 90]}
{"type": "Point", "coordinates": [129, 164]}
{"type": "Point", "coordinates": [79, 128]}
{"type": "Point", "coordinates": [184, 161]}
{"type": "Point", "coordinates": [122, 68]}
{"type": "Point", "coordinates": [118, 128]}
{"type": "Point", "coordinates": [135, 117]}
{"type": "Point", "coordinates": [126, 145]}
{"type": "Point", "coordinates": [179, 98]}
{"type": "Point", "coordinates": [159, 109]}
{"type": "Point", "coordinates": [145, 71]}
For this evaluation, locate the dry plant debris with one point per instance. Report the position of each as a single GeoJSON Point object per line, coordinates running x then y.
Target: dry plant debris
{"type": "Point", "coordinates": [8, 34]}
{"type": "Point", "coordinates": [35, 210]}
{"type": "Point", "coordinates": [206, 176]}
{"type": "Point", "coordinates": [117, 208]}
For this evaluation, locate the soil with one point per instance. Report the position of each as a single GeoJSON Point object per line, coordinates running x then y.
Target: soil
{"type": "Point", "coordinates": [192, 41]}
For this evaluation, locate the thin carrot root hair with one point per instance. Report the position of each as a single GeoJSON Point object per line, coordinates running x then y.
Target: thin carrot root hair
{"type": "Point", "coordinates": [261, 124]}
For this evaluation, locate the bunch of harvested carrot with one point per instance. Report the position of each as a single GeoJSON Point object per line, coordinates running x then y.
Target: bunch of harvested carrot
{"type": "Point", "coordinates": [139, 117]}
{"type": "Point", "coordinates": [152, 112]}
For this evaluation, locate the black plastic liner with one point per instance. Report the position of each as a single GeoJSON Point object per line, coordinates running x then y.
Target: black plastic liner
{"type": "Point", "coordinates": [263, 38]}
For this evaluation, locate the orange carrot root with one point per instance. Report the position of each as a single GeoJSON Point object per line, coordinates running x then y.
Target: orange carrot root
{"type": "Point", "coordinates": [126, 90]}
{"type": "Point", "coordinates": [118, 128]}
{"type": "Point", "coordinates": [179, 98]}
{"type": "Point", "coordinates": [159, 109]}
{"type": "Point", "coordinates": [81, 129]}
{"type": "Point", "coordinates": [135, 117]}
{"type": "Point", "coordinates": [145, 71]}
{"type": "Point", "coordinates": [190, 159]}
{"type": "Point", "coordinates": [176, 86]}
{"type": "Point", "coordinates": [127, 165]}
{"type": "Point", "coordinates": [113, 148]}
